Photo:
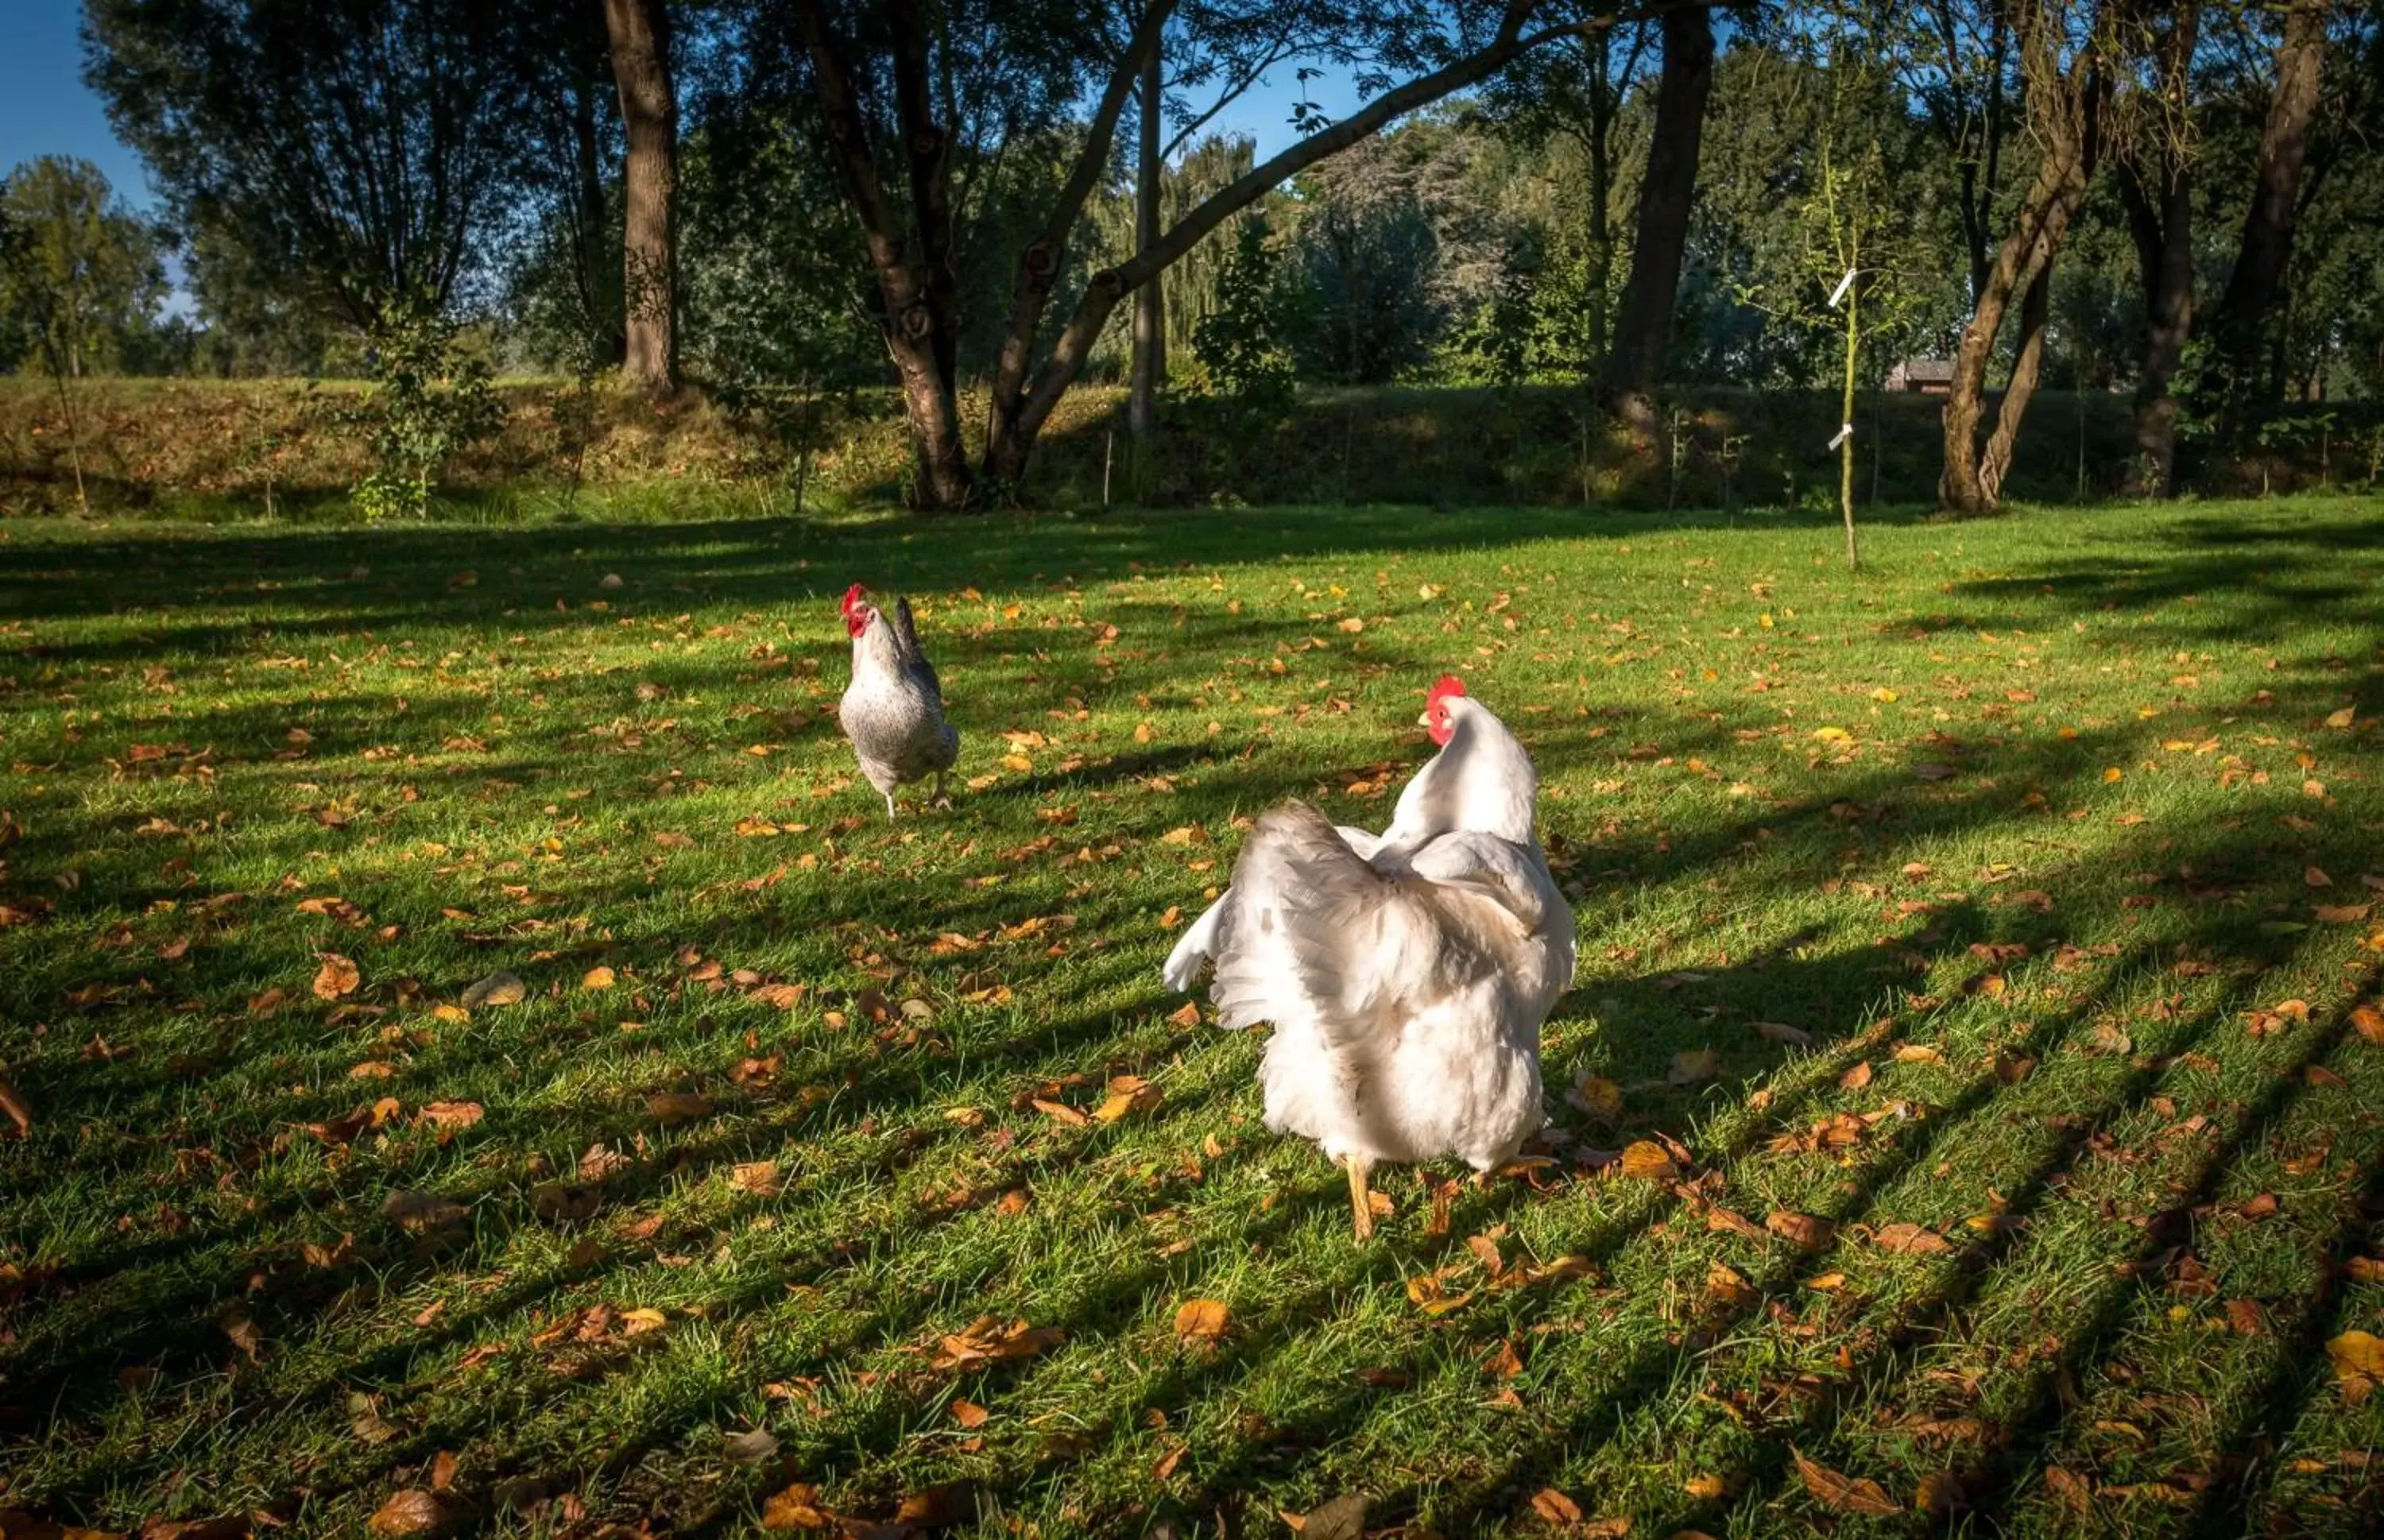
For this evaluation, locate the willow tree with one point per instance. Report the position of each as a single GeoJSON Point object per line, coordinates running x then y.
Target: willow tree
{"type": "Point", "coordinates": [358, 154]}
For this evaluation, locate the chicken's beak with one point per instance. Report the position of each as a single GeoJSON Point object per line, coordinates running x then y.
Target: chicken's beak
{"type": "Point", "coordinates": [1425, 721]}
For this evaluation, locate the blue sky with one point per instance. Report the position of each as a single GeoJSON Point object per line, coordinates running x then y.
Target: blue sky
{"type": "Point", "coordinates": [43, 107]}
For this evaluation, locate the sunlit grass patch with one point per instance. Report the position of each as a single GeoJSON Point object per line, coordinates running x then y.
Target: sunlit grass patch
{"type": "Point", "coordinates": [1968, 1105]}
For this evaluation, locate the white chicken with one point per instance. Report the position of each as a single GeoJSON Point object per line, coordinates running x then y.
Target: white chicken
{"type": "Point", "coordinates": [1407, 975]}
{"type": "Point", "coordinates": [893, 709]}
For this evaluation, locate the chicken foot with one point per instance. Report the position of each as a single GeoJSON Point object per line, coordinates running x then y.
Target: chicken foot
{"type": "Point", "coordinates": [1361, 1200]}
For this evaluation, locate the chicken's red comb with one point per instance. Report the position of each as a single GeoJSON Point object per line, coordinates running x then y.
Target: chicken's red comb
{"type": "Point", "coordinates": [852, 599]}
{"type": "Point", "coordinates": [1443, 687]}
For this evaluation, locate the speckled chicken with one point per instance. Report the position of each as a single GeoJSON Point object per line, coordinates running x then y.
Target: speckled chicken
{"type": "Point", "coordinates": [1405, 975]}
{"type": "Point", "coordinates": [893, 709]}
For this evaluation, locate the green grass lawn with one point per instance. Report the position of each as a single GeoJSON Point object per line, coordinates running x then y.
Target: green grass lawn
{"type": "Point", "coordinates": [1970, 956]}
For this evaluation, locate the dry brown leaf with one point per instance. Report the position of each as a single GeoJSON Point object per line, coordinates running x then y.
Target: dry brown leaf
{"type": "Point", "coordinates": [2358, 1359]}
{"type": "Point", "coordinates": [1913, 1239]}
{"type": "Point", "coordinates": [1801, 1230]}
{"type": "Point", "coordinates": [2369, 1022]}
{"type": "Point", "coordinates": [596, 978]}
{"type": "Point", "coordinates": [636, 1323]}
{"type": "Point", "coordinates": [1555, 1507]}
{"type": "Point", "coordinates": [758, 1177]}
{"type": "Point", "coordinates": [412, 1511]}
{"type": "Point", "coordinates": [1644, 1158]}
{"type": "Point", "coordinates": [1918, 1054]}
{"type": "Point", "coordinates": [496, 988]}
{"type": "Point", "coordinates": [1201, 1321]}
{"type": "Point", "coordinates": [1727, 1286]}
{"type": "Point", "coordinates": [797, 1508]}
{"type": "Point", "coordinates": [450, 1114]}
{"type": "Point", "coordinates": [1188, 1015]}
{"type": "Point", "coordinates": [1706, 1488]}
{"type": "Point", "coordinates": [1505, 1363]}
{"type": "Point", "coordinates": [443, 1471]}
{"type": "Point", "coordinates": [337, 978]}
{"type": "Point", "coordinates": [1128, 1093]}
{"type": "Point", "coordinates": [1060, 1111]}
{"type": "Point", "coordinates": [968, 1414]}
{"type": "Point", "coordinates": [1858, 1077]}
{"type": "Point", "coordinates": [1840, 1493]}
{"type": "Point", "coordinates": [670, 1107]}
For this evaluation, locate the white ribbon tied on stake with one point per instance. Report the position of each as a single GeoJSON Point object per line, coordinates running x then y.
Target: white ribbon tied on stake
{"type": "Point", "coordinates": [1845, 432]}
{"type": "Point", "coordinates": [1840, 291]}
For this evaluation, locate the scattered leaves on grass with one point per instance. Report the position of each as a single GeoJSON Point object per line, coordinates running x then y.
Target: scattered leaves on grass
{"type": "Point", "coordinates": [968, 1414]}
{"type": "Point", "coordinates": [1644, 1158]}
{"type": "Point", "coordinates": [497, 989]}
{"type": "Point", "coordinates": [450, 1114]}
{"type": "Point", "coordinates": [1429, 1292]}
{"type": "Point", "coordinates": [1910, 1240]}
{"type": "Point", "coordinates": [2358, 1359]}
{"type": "Point", "coordinates": [1840, 1493]}
{"type": "Point", "coordinates": [675, 1107]}
{"type": "Point", "coordinates": [412, 1511]}
{"type": "Point", "coordinates": [596, 978]}
{"type": "Point", "coordinates": [1555, 1507]}
{"type": "Point", "coordinates": [757, 1177]}
{"type": "Point", "coordinates": [796, 1507]}
{"type": "Point", "coordinates": [1128, 1093]}
{"type": "Point", "coordinates": [337, 978]}
{"type": "Point", "coordinates": [1060, 1111]}
{"type": "Point", "coordinates": [1800, 1230]}
{"type": "Point", "coordinates": [985, 1340]}
{"type": "Point", "coordinates": [1201, 1321]}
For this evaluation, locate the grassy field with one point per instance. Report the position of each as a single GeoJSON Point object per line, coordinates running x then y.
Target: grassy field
{"type": "Point", "coordinates": [1964, 1104]}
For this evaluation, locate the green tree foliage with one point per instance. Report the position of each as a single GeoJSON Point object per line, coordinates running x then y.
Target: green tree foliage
{"type": "Point", "coordinates": [352, 154]}
{"type": "Point", "coordinates": [82, 277]}
{"type": "Point", "coordinates": [431, 398]}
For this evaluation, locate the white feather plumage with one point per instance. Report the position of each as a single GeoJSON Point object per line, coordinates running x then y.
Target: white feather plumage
{"type": "Point", "coordinates": [1406, 976]}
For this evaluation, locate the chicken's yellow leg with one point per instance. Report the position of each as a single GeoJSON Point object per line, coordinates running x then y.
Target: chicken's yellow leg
{"type": "Point", "coordinates": [1361, 1202]}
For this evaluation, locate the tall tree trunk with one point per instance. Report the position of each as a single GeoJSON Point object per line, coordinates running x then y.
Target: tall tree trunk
{"type": "Point", "coordinates": [640, 34]}
{"type": "Point", "coordinates": [2241, 322]}
{"type": "Point", "coordinates": [905, 296]}
{"type": "Point", "coordinates": [2028, 368]}
{"type": "Point", "coordinates": [597, 297]}
{"type": "Point", "coordinates": [2065, 109]}
{"type": "Point", "coordinates": [1149, 367]}
{"type": "Point", "coordinates": [1601, 214]}
{"type": "Point", "coordinates": [1666, 193]}
{"type": "Point", "coordinates": [2156, 189]}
